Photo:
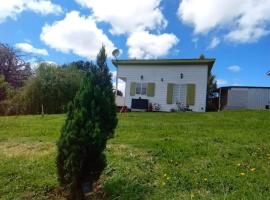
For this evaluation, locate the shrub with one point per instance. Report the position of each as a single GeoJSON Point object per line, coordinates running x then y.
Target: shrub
{"type": "Point", "coordinates": [91, 120]}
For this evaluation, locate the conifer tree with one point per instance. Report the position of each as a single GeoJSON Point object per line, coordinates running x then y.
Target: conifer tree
{"type": "Point", "coordinates": [91, 120]}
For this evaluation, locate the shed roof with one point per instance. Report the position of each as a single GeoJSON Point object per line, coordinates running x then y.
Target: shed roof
{"type": "Point", "coordinates": [248, 87]}
{"type": "Point", "coordinates": [209, 62]}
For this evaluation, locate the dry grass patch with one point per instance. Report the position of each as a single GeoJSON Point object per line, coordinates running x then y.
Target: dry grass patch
{"type": "Point", "coordinates": [15, 148]}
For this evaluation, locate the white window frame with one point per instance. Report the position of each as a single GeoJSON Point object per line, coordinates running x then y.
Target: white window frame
{"type": "Point", "coordinates": [141, 88]}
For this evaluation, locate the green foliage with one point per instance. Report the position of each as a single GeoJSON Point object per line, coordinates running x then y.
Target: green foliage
{"type": "Point", "coordinates": [91, 120]}
{"type": "Point", "coordinates": [52, 86]}
{"type": "Point", "coordinates": [6, 92]}
{"type": "Point", "coordinates": [211, 87]}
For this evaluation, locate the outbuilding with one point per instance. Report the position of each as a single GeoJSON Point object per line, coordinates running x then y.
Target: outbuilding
{"type": "Point", "coordinates": [244, 97]}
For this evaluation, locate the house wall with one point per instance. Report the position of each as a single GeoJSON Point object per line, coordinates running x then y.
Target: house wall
{"type": "Point", "coordinates": [171, 74]}
{"type": "Point", "coordinates": [248, 98]}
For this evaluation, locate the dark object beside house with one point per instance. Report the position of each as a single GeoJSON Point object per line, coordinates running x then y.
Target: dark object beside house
{"type": "Point", "coordinates": [141, 104]}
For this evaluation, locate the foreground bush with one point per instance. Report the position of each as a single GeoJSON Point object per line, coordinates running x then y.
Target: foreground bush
{"type": "Point", "coordinates": [91, 120]}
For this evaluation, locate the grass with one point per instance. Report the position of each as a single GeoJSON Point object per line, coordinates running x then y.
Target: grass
{"type": "Point", "coordinates": [222, 155]}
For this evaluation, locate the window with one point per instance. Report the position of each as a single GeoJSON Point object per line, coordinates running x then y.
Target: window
{"type": "Point", "coordinates": [138, 88]}
{"type": "Point", "coordinates": [179, 93]}
{"type": "Point", "coordinates": [141, 88]}
{"type": "Point", "coordinates": [144, 88]}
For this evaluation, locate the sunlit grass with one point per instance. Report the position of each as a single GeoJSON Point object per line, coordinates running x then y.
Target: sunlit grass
{"type": "Point", "coordinates": [222, 155]}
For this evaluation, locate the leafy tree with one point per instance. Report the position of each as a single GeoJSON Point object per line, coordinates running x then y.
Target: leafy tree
{"type": "Point", "coordinates": [81, 65]}
{"type": "Point", "coordinates": [13, 67]}
{"type": "Point", "coordinates": [51, 86]}
{"type": "Point", "coordinates": [211, 87]}
{"type": "Point", "coordinates": [91, 120]}
{"type": "Point", "coordinates": [211, 83]}
{"type": "Point", "coordinates": [5, 92]}
{"type": "Point", "coordinates": [4, 88]}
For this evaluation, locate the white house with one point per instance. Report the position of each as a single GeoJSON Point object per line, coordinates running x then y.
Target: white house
{"type": "Point", "coordinates": [165, 82]}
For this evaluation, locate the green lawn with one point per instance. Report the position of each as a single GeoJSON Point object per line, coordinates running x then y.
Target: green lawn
{"type": "Point", "coordinates": [222, 155]}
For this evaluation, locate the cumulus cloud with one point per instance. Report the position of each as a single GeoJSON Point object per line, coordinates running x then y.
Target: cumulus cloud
{"type": "Point", "coordinates": [121, 84]}
{"type": "Point", "coordinates": [127, 16]}
{"type": "Point", "coordinates": [76, 34]}
{"type": "Point", "coordinates": [146, 45]}
{"type": "Point", "coordinates": [214, 43]}
{"type": "Point", "coordinates": [28, 48]}
{"type": "Point", "coordinates": [221, 82]}
{"type": "Point", "coordinates": [242, 20]}
{"type": "Point", "coordinates": [12, 8]}
{"type": "Point", "coordinates": [234, 68]}
{"type": "Point", "coordinates": [138, 21]}
{"type": "Point", "coordinates": [35, 62]}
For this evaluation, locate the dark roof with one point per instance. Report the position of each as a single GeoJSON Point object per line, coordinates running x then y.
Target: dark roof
{"type": "Point", "coordinates": [256, 87]}
{"type": "Point", "coordinates": [210, 62]}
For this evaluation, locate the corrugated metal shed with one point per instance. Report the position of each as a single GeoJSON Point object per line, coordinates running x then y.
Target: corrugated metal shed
{"type": "Point", "coordinates": [239, 97]}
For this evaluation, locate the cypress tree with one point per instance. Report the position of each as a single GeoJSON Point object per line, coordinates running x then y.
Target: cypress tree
{"type": "Point", "coordinates": [91, 120]}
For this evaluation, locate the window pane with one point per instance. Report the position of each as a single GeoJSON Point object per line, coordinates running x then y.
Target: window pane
{"type": "Point", "coordinates": [138, 88]}
{"type": "Point", "coordinates": [144, 88]}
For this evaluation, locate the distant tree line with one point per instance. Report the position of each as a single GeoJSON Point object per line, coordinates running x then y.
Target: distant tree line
{"type": "Point", "coordinates": [26, 91]}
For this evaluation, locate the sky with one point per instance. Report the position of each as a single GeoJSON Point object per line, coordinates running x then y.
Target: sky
{"type": "Point", "coordinates": [234, 32]}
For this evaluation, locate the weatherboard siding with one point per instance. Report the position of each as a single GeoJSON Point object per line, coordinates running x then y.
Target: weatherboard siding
{"type": "Point", "coordinates": [170, 74]}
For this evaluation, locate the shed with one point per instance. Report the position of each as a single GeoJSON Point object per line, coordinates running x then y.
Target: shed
{"type": "Point", "coordinates": [244, 97]}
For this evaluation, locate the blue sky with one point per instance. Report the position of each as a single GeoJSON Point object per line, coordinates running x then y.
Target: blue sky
{"type": "Point", "coordinates": [237, 33]}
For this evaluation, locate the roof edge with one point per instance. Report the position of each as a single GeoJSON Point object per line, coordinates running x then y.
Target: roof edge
{"type": "Point", "coordinates": [258, 87]}
{"type": "Point", "coordinates": [209, 61]}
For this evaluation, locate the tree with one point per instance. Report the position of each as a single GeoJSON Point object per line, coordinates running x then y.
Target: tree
{"type": "Point", "coordinates": [52, 87]}
{"type": "Point", "coordinates": [211, 87]}
{"type": "Point", "coordinates": [81, 65]}
{"type": "Point", "coordinates": [4, 88]}
{"type": "Point", "coordinates": [5, 92]}
{"type": "Point", "coordinates": [91, 120]}
{"type": "Point", "coordinates": [211, 83]}
{"type": "Point", "coordinates": [13, 67]}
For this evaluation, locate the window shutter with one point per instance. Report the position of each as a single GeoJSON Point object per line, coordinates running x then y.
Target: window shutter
{"type": "Point", "coordinates": [151, 89]}
{"type": "Point", "coordinates": [132, 89]}
{"type": "Point", "coordinates": [191, 89]}
{"type": "Point", "coordinates": [169, 93]}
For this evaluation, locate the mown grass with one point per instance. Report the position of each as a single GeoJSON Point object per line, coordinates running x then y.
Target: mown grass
{"type": "Point", "coordinates": [222, 155]}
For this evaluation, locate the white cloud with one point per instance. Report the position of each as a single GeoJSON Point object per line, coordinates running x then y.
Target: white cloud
{"type": "Point", "coordinates": [127, 16]}
{"type": "Point", "coordinates": [195, 41]}
{"type": "Point", "coordinates": [146, 45]}
{"type": "Point", "coordinates": [28, 48]}
{"type": "Point", "coordinates": [12, 8]}
{"type": "Point", "coordinates": [243, 20]}
{"type": "Point", "coordinates": [236, 84]}
{"type": "Point", "coordinates": [234, 68]}
{"type": "Point", "coordinates": [222, 82]}
{"type": "Point", "coordinates": [43, 7]}
{"type": "Point", "coordinates": [34, 62]}
{"type": "Point", "coordinates": [214, 43]}
{"type": "Point", "coordinates": [121, 84]}
{"type": "Point", "coordinates": [77, 34]}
